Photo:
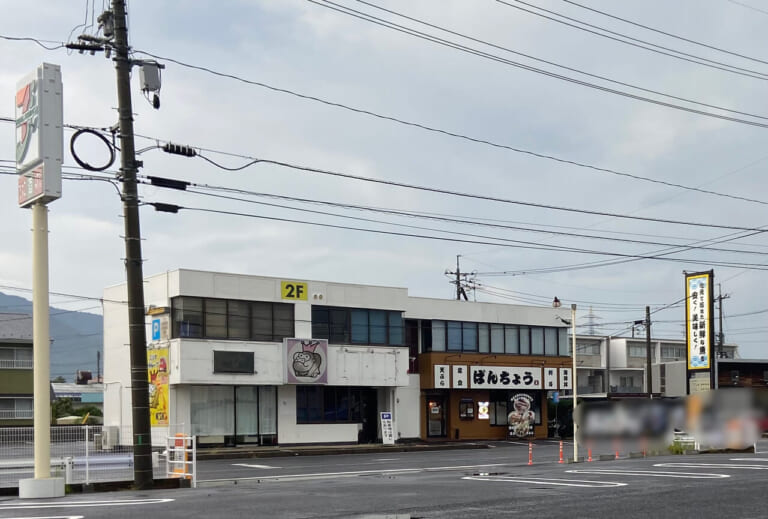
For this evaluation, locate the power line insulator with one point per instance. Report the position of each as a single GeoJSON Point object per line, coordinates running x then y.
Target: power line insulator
{"type": "Point", "coordinates": [179, 149]}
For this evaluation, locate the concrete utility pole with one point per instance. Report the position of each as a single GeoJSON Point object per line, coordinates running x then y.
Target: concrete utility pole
{"type": "Point", "coordinates": [142, 440]}
{"type": "Point", "coordinates": [459, 286]}
{"type": "Point", "coordinates": [649, 374]}
{"type": "Point", "coordinates": [575, 382]}
{"type": "Point", "coordinates": [720, 335]}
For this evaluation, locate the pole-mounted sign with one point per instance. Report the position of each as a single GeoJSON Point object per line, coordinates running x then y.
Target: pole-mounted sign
{"type": "Point", "coordinates": [699, 329]}
{"type": "Point", "coordinates": [39, 135]}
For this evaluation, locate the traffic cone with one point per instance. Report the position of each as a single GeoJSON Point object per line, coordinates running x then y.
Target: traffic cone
{"type": "Point", "coordinates": [530, 453]}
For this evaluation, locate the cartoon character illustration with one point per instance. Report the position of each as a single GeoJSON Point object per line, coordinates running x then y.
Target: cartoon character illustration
{"type": "Point", "coordinates": [521, 417]}
{"type": "Point", "coordinates": [307, 363]}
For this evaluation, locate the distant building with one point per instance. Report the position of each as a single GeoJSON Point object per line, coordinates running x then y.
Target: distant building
{"type": "Point", "coordinates": [16, 379]}
{"type": "Point", "coordinates": [81, 395]}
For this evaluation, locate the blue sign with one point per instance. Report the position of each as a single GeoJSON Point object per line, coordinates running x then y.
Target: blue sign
{"type": "Point", "coordinates": [386, 416]}
{"type": "Point", "coordinates": [155, 329]}
{"type": "Point", "coordinates": [555, 397]}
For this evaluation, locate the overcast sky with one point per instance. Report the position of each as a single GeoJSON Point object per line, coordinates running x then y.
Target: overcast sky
{"type": "Point", "coordinates": [312, 50]}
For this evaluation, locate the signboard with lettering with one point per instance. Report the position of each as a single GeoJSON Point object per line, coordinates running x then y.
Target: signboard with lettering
{"type": "Point", "coordinates": [442, 376]}
{"type": "Point", "coordinates": [387, 429]}
{"type": "Point", "coordinates": [459, 377]}
{"type": "Point", "coordinates": [502, 377]}
{"type": "Point", "coordinates": [550, 378]}
{"type": "Point", "coordinates": [565, 378]}
{"type": "Point", "coordinates": [698, 323]}
{"type": "Point", "coordinates": [293, 290]}
{"type": "Point", "coordinates": [39, 135]}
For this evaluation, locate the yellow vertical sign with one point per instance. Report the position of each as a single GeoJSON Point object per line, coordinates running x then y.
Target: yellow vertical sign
{"type": "Point", "coordinates": [293, 290]}
{"type": "Point", "coordinates": [157, 369]}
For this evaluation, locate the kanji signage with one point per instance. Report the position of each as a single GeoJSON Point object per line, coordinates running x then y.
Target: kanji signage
{"type": "Point", "coordinates": [502, 377]}
{"type": "Point", "coordinates": [550, 378]}
{"type": "Point", "coordinates": [698, 324]}
{"type": "Point", "coordinates": [459, 377]}
{"type": "Point", "coordinates": [442, 376]}
{"type": "Point", "coordinates": [565, 378]}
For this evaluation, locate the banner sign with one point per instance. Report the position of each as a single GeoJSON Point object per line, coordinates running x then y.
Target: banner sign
{"type": "Point", "coordinates": [565, 378]}
{"type": "Point", "coordinates": [158, 369]}
{"type": "Point", "coordinates": [698, 319]}
{"type": "Point", "coordinates": [306, 361]}
{"type": "Point", "coordinates": [39, 135]}
{"type": "Point", "coordinates": [500, 377]}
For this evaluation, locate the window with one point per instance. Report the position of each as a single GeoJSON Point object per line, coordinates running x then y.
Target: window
{"type": "Point", "coordinates": [466, 409]}
{"type": "Point", "coordinates": [673, 351]}
{"type": "Point", "coordinates": [469, 336]}
{"type": "Point", "coordinates": [525, 340]}
{"type": "Point", "coordinates": [16, 408]}
{"type": "Point", "coordinates": [497, 338]}
{"type": "Point", "coordinates": [438, 335]}
{"type": "Point", "coordinates": [187, 317]}
{"type": "Point", "coordinates": [16, 358]}
{"type": "Point", "coordinates": [637, 351]}
{"type": "Point", "coordinates": [511, 339]}
{"type": "Point", "coordinates": [590, 348]}
{"type": "Point", "coordinates": [537, 341]}
{"type": "Point", "coordinates": [196, 317]}
{"type": "Point", "coordinates": [563, 342]}
{"type": "Point", "coordinates": [357, 326]}
{"type": "Point", "coordinates": [550, 341]}
{"type": "Point", "coordinates": [498, 408]}
{"type": "Point", "coordinates": [454, 335]}
{"type": "Point", "coordinates": [484, 337]}
{"type": "Point", "coordinates": [331, 404]}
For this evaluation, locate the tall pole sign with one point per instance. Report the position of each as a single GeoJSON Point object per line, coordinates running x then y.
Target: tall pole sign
{"type": "Point", "coordinates": [39, 155]}
{"type": "Point", "coordinates": [699, 330]}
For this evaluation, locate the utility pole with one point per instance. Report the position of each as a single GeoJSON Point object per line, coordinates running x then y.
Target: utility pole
{"type": "Point", "coordinates": [649, 374]}
{"type": "Point", "coordinates": [460, 292]}
{"type": "Point", "coordinates": [142, 442]}
{"type": "Point", "coordinates": [720, 335]}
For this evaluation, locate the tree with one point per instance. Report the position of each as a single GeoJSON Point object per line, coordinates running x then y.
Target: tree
{"type": "Point", "coordinates": [59, 380]}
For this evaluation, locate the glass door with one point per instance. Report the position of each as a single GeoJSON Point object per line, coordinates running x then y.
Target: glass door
{"type": "Point", "coordinates": [436, 414]}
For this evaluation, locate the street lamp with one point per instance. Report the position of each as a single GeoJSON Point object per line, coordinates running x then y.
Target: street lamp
{"type": "Point", "coordinates": [575, 381]}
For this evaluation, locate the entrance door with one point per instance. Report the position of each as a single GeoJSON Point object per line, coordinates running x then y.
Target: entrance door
{"type": "Point", "coordinates": [436, 415]}
{"type": "Point", "coordinates": [369, 416]}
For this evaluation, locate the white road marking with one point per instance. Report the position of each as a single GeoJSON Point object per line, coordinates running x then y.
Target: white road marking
{"type": "Point", "coordinates": [52, 517]}
{"type": "Point", "coordinates": [549, 481]}
{"type": "Point", "coordinates": [349, 474]}
{"type": "Point", "coordinates": [253, 466]}
{"type": "Point", "coordinates": [652, 473]}
{"type": "Point", "coordinates": [387, 459]}
{"type": "Point", "coordinates": [81, 504]}
{"type": "Point", "coordinates": [713, 465]}
{"type": "Point", "coordinates": [748, 459]}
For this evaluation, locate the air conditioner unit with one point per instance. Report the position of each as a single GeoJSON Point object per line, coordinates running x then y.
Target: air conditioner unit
{"type": "Point", "coordinates": [110, 436]}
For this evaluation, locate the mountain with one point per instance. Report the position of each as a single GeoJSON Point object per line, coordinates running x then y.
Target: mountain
{"type": "Point", "coordinates": [77, 336]}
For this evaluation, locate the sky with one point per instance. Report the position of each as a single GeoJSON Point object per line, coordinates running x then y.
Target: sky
{"type": "Point", "coordinates": [579, 176]}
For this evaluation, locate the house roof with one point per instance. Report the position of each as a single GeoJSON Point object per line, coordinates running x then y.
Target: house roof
{"type": "Point", "coordinates": [15, 327]}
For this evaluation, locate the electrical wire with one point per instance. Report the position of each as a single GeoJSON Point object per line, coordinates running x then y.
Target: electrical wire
{"type": "Point", "coordinates": [652, 47]}
{"type": "Point", "coordinates": [571, 69]}
{"type": "Point", "coordinates": [434, 39]}
{"type": "Point", "coordinates": [752, 266]}
{"type": "Point", "coordinates": [688, 40]}
{"type": "Point", "coordinates": [742, 4]}
{"type": "Point", "coordinates": [41, 43]}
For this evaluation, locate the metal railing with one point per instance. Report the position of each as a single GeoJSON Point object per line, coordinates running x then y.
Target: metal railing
{"type": "Point", "coordinates": [16, 414]}
{"type": "Point", "coordinates": [16, 364]}
{"type": "Point", "coordinates": [181, 458]}
{"type": "Point", "coordinates": [79, 453]}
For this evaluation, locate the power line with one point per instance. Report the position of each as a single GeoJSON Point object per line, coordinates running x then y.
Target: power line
{"type": "Point", "coordinates": [579, 71]}
{"type": "Point", "coordinates": [42, 43]}
{"type": "Point", "coordinates": [742, 4]}
{"type": "Point", "coordinates": [677, 54]}
{"type": "Point", "coordinates": [175, 208]}
{"type": "Point", "coordinates": [719, 49]}
{"type": "Point", "coordinates": [434, 39]}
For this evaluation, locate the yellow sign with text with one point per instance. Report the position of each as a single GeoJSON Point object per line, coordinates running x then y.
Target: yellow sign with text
{"type": "Point", "coordinates": [293, 290]}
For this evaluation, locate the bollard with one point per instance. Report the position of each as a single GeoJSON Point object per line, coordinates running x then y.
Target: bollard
{"type": "Point", "coordinates": [561, 452]}
{"type": "Point", "coordinates": [589, 452]}
{"type": "Point", "coordinates": [530, 453]}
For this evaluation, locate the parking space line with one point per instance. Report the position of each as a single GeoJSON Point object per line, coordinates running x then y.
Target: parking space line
{"type": "Point", "coordinates": [31, 505]}
{"type": "Point", "coordinates": [713, 465]}
{"type": "Point", "coordinates": [651, 473]}
{"type": "Point", "coordinates": [549, 481]}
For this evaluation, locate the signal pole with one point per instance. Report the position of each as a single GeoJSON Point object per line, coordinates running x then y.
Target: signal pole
{"type": "Point", "coordinates": [142, 440]}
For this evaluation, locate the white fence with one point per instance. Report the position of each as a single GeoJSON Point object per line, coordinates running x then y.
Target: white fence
{"type": "Point", "coordinates": [79, 453]}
